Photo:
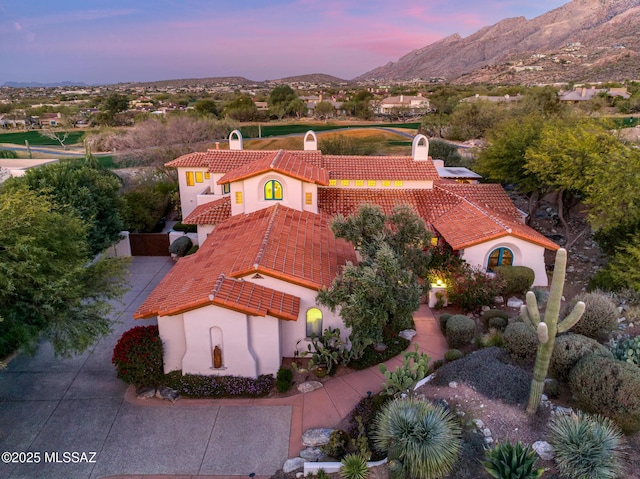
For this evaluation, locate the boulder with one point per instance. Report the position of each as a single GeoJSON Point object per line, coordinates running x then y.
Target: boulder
{"type": "Point", "coordinates": [544, 450]}
{"type": "Point", "coordinates": [313, 454]}
{"type": "Point", "coordinates": [292, 464]}
{"type": "Point", "coordinates": [407, 334]}
{"type": "Point", "coordinates": [145, 392]}
{"type": "Point", "coordinates": [309, 386]}
{"type": "Point", "coordinates": [167, 393]}
{"type": "Point", "coordinates": [514, 302]}
{"type": "Point", "coordinates": [316, 437]}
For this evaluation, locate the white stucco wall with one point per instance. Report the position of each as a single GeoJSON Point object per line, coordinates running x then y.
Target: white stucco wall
{"type": "Point", "coordinates": [237, 208]}
{"type": "Point", "coordinates": [203, 232]}
{"type": "Point", "coordinates": [237, 357]}
{"type": "Point", "coordinates": [171, 329]}
{"type": "Point", "coordinates": [292, 195]}
{"type": "Point", "coordinates": [524, 254]}
{"type": "Point", "coordinates": [188, 194]}
{"type": "Point", "coordinates": [293, 331]}
{"type": "Point", "coordinates": [264, 341]}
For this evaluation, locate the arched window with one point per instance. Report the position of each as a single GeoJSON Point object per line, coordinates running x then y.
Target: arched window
{"type": "Point", "coordinates": [500, 257]}
{"type": "Point", "coordinates": [314, 322]}
{"type": "Point", "coordinates": [273, 190]}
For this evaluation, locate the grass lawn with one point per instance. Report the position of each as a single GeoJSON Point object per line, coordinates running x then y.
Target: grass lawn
{"type": "Point", "coordinates": [35, 138]}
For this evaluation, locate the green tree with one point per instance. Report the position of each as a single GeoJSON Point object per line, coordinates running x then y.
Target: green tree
{"type": "Point", "coordinates": [110, 107]}
{"type": "Point", "coordinates": [472, 119]}
{"type": "Point", "coordinates": [282, 95]}
{"type": "Point", "coordinates": [324, 110]}
{"type": "Point", "coordinates": [87, 189]}
{"type": "Point", "coordinates": [242, 108]}
{"type": "Point", "coordinates": [297, 108]}
{"type": "Point", "coordinates": [434, 124]}
{"type": "Point", "coordinates": [206, 106]}
{"type": "Point", "coordinates": [360, 105]}
{"type": "Point", "coordinates": [382, 289]}
{"type": "Point", "coordinates": [47, 285]}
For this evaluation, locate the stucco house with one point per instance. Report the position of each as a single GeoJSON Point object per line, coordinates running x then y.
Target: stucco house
{"type": "Point", "coordinates": [266, 248]}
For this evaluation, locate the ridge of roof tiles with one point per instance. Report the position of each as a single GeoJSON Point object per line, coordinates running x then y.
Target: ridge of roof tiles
{"type": "Point", "coordinates": [290, 245]}
{"type": "Point", "coordinates": [403, 168]}
{"type": "Point", "coordinates": [286, 162]}
{"type": "Point", "coordinates": [210, 213]}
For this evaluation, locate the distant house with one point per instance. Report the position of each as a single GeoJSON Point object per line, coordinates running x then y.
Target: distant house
{"type": "Point", "coordinates": [247, 297]}
{"type": "Point", "coordinates": [403, 103]}
{"type": "Point", "coordinates": [492, 99]}
{"type": "Point", "coordinates": [50, 119]}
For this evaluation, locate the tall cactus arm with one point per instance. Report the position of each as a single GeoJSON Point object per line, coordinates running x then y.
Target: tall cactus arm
{"type": "Point", "coordinates": [557, 285]}
{"type": "Point", "coordinates": [529, 311]}
{"type": "Point", "coordinates": [567, 323]}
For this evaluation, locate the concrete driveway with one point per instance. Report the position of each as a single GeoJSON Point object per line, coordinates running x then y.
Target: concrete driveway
{"type": "Point", "coordinates": [69, 419]}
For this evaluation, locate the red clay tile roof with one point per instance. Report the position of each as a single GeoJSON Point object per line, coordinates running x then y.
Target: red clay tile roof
{"type": "Point", "coordinates": [285, 162]}
{"type": "Point", "coordinates": [224, 161]}
{"type": "Point", "coordinates": [378, 168]}
{"type": "Point", "coordinates": [210, 213]}
{"type": "Point", "coordinates": [447, 211]}
{"type": "Point", "coordinates": [297, 247]}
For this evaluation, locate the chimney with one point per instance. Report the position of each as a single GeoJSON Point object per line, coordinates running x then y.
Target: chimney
{"type": "Point", "coordinates": [217, 145]}
{"type": "Point", "coordinates": [401, 98]}
{"type": "Point", "coordinates": [584, 92]}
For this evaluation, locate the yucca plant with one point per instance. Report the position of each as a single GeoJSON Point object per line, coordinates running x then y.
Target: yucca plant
{"type": "Point", "coordinates": [354, 466]}
{"type": "Point", "coordinates": [507, 461]}
{"type": "Point", "coordinates": [587, 446]}
{"type": "Point", "coordinates": [421, 439]}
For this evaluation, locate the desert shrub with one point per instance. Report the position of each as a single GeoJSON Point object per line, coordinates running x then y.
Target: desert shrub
{"type": "Point", "coordinates": [586, 447]}
{"type": "Point", "coordinates": [521, 341]}
{"type": "Point", "coordinates": [284, 378]}
{"type": "Point", "coordinates": [609, 387]}
{"type": "Point", "coordinates": [498, 323]}
{"type": "Point", "coordinates": [437, 364]}
{"type": "Point", "coordinates": [180, 246]}
{"type": "Point", "coordinates": [201, 386]}
{"type": "Point", "coordinates": [507, 461]}
{"type": "Point", "coordinates": [488, 372]}
{"type": "Point", "coordinates": [571, 348]}
{"type": "Point", "coordinates": [461, 330]}
{"type": "Point", "coordinates": [469, 289]}
{"type": "Point", "coordinates": [193, 249]}
{"type": "Point", "coordinates": [442, 321]}
{"type": "Point", "coordinates": [361, 420]}
{"type": "Point", "coordinates": [489, 314]}
{"type": "Point", "coordinates": [453, 355]}
{"type": "Point", "coordinates": [354, 466]}
{"type": "Point", "coordinates": [395, 345]}
{"type": "Point", "coordinates": [627, 350]}
{"type": "Point", "coordinates": [516, 279]}
{"type": "Point", "coordinates": [422, 439]}
{"type": "Point", "coordinates": [492, 338]}
{"type": "Point", "coordinates": [185, 228]}
{"type": "Point", "coordinates": [552, 387]}
{"type": "Point", "coordinates": [137, 356]}
{"type": "Point", "coordinates": [600, 316]}
{"type": "Point", "coordinates": [337, 445]}
{"type": "Point", "coordinates": [542, 295]}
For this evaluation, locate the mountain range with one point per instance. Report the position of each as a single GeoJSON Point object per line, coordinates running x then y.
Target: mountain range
{"type": "Point", "coordinates": [583, 40]}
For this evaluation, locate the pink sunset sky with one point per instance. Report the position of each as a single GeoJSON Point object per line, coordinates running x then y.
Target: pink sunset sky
{"type": "Point", "coordinates": [99, 42]}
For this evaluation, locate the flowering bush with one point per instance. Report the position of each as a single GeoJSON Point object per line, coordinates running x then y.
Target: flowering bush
{"type": "Point", "coordinates": [199, 386]}
{"type": "Point", "coordinates": [470, 288]}
{"type": "Point", "coordinates": [138, 356]}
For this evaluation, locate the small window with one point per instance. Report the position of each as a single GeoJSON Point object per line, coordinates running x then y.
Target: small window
{"type": "Point", "coordinates": [371, 182]}
{"type": "Point", "coordinates": [199, 177]}
{"type": "Point", "coordinates": [333, 182]}
{"type": "Point", "coordinates": [344, 182]}
{"type": "Point", "coordinates": [207, 175]}
{"type": "Point", "coordinates": [434, 241]}
{"type": "Point", "coordinates": [190, 180]}
{"type": "Point", "coordinates": [359, 182]}
{"type": "Point", "coordinates": [273, 190]}
{"type": "Point", "coordinates": [386, 183]}
{"type": "Point", "coordinates": [238, 197]}
{"type": "Point", "coordinates": [308, 198]}
{"type": "Point", "coordinates": [500, 257]}
{"type": "Point", "coordinates": [397, 183]}
{"type": "Point", "coordinates": [314, 322]}
{"type": "Point", "coordinates": [226, 188]}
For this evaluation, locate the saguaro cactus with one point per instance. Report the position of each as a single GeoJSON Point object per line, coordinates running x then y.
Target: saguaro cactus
{"type": "Point", "coordinates": [548, 327]}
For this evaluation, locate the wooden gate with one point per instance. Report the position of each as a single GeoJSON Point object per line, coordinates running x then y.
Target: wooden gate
{"type": "Point", "coordinates": [149, 244]}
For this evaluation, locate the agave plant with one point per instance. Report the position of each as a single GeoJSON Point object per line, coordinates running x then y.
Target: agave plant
{"type": "Point", "coordinates": [354, 466]}
{"type": "Point", "coordinates": [421, 439]}
{"type": "Point", "coordinates": [507, 461]}
{"type": "Point", "coordinates": [587, 446]}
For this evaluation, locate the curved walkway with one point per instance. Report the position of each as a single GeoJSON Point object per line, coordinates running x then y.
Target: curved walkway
{"type": "Point", "coordinates": [53, 405]}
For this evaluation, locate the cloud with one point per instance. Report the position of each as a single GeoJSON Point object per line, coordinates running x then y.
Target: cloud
{"type": "Point", "coordinates": [17, 26]}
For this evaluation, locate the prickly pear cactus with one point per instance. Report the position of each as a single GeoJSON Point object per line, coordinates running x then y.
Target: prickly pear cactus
{"type": "Point", "coordinates": [415, 366]}
{"type": "Point", "coordinates": [548, 327]}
